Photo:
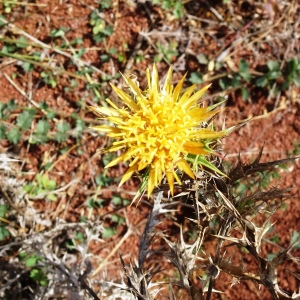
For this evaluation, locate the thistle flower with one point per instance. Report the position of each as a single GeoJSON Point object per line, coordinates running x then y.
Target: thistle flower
{"type": "Point", "coordinates": [158, 128]}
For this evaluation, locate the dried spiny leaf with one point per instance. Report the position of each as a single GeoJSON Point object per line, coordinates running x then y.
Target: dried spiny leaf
{"type": "Point", "coordinates": [184, 256]}
{"type": "Point", "coordinates": [255, 202]}
{"type": "Point", "coordinates": [242, 171]}
{"type": "Point", "coordinates": [259, 232]}
{"type": "Point", "coordinates": [134, 281]}
{"type": "Point", "coordinates": [148, 233]}
{"type": "Point", "coordinates": [138, 281]}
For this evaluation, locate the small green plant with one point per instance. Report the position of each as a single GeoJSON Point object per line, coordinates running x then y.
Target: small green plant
{"type": "Point", "coordinates": [49, 78]}
{"type": "Point", "coordinates": [119, 201]}
{"type": "Point", "coordinates": [61, 31]}
{"type": "Point", "coordinates": [105, 4]}
{"type": "Point", "coordinates": [167, 52]}
{"type": "Point", "coordinates": [176, 6]}
{"type": "Point", "coordinates": [40, 135]}
{"type": "Point", "coordinates": [238, 79]}
{"type": "Point", "coordinates": [100, 29]}
{"type": "Point", "coordinates": [291, 73]}
{"type": "Point", "coordinates": [196, 78]}
{"type": "Point", "coordinates": [4, 233]}
{"type": "Point", "coordinates": [108, 232]}
{"type": "Point", "coordinates": [37, 272]}
{"type": "Point", "coordinates": [9, 5]}
{"type": "Point", "coordinates": [94, 203]}
{"type": "Point", "coordinates": [269, 78]}
{"type": "Point", "coordinates": [62, 133]}
{"type": "Point", "coordinates": [42, 187]}
{"type": "Point", "coordinates": [23, 122]}
{"type": "Point", "coordinates": [78, 239]}
{"type": "Point", "coordinates": [115, 218]}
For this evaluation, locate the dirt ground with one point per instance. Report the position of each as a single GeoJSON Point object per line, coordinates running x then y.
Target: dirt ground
{"type": "Point", "coordinates": [274, 122]}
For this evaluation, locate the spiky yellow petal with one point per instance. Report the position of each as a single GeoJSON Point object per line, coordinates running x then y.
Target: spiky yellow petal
{"type": "Point", "coordinates": [170, 179]}
{"type": "Point", "coordinates": [126, 98]}
{"type": "Point", "coordinates": [128, 174]}
{"type": "Point", "coordinates": [193, 99]}
{"type": "Point", "coordinates": [158, 127]}
{"type": "Point", "coordinates": [184, 166]}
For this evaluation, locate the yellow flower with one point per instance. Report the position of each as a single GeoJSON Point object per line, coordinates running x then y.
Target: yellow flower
{"type": "Point", "coordinates": [158, 128]}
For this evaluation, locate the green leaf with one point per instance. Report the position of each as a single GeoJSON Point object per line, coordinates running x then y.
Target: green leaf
{"type": "Point", "coordinates": [40, 134]}
{"type": "Point", "coordinates": [295, 239]}
{"type": "Point", "coordinates": [296, 80]}
{"type": "Point", "coordinates": [25, 119]}
{"type": "Point", "coordinates": [63, 127]}
{"type": "Point", "coordinates": [3, 210]}
{"type": "Point", "coordinates": [14, 135]}
{"type": "Point", "coordinates": [105, 4]}
{"type": "Point", "coordinates": [225, 83]}
{"type": "Point", "coordinates": [113, 50]}
{"type": "Point", "coordinates": [104, 57]}
{"type": "Point", "coordinates": [117, 219]}
{"type": "Point", "coordinates": [116, 200]}
{"type": "Point", "coordinates": [27, 66]}
{"type": "Point", "coordinates": [178, 10]}
{"type": "Point", "coordinates": [44, 282]}
{"type": "Point", "coordinates": [80, 126]}
{"type": "Point", "coordinates": [52, 197]}
{"type": "Point", "coordinates": [80, 236]}
{"type": "Point", "coordinates": [261, 82]}
{"type": "Point", "coordinates": [2, 20]}
{"type": "Point", "coordinates": [4, 233]}
{"type": "Point", "coordinates": [108, 232]}
{"type": "Point", "coordinates": [39, 276]}
{"type": "Point", "coordinates": [11, 105]}
{"type": "Point", "coordinates": [6, 108]}
{"type": "Point", "coordinates": [243, 66]}
{"type": "Point", "coordinates": [3, 107]}
{"type": "Point", "coordinates": [62, 131]}
{"type": "Point", "coordinates": [246, 76]}
{"type": "Point", "coordinates": [43, 105]}
{"type": "Point", "coordinates": [51, 115]}
{"type": "Point", "coordinates": [58, 32]}
{"type": "Point", "coordinates": [202, 59]}
{"type": "Point", "coordinates": [91, 203]}
{"type": "Point", "coordinates": [48, 165]}
{"type": "Point", "coordinates": [271, 256]}
{"type": "Point", "coordinates": [245, 94]}
{"type": "Point", "coordinates": [236, 80]}
{"type": "Point", "coordinates": [31, 261]}
{"type": "Point", "coordinates": [48, 184]}
{"type": "Point", "coordinates": [108, 30]}
{"type": "Point", "coordinates": [103, 180]}
{"type": "Point", "coordinates": [274, 74]}
{"type": "Point", "coordinates": [121, 57]}
{"type": "Point", "coordinates": [2, 132]}
{"type": "Point", "coordinates": [42, 127]}
{"type": "Point", "coordinates": [22, 42]}
{"type": "Point", "coordinates": [273, 65]}
{"type": "Point", "coordinates": [196, 78]}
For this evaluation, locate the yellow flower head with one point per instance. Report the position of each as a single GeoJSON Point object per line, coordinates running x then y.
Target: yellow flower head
{"type": "Point", "coordinates": [158, 128]}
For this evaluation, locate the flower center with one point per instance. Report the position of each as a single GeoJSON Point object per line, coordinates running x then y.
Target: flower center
{"type": "Point", "coordinates": [159, 130]}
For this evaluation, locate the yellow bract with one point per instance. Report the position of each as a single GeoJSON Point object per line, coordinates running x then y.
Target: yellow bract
{"type": "Point", "coordinates": [157, 128]}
